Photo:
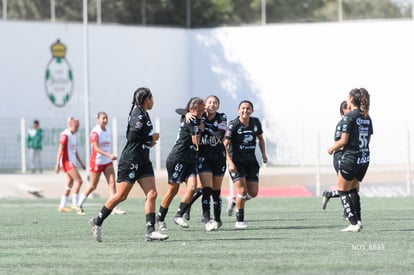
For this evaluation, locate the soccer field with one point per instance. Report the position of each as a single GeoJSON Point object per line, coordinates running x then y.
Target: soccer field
{"type": "Point", "coordinates": [285, 235]}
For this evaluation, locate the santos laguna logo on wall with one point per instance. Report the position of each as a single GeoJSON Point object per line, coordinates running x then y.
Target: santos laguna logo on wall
{"type": "Point", "coordinates": [59, 76]}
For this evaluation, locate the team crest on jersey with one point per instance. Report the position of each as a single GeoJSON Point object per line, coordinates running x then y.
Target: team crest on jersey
{"type": "Point", "coordinates": [59, 76]}
{"type": "Point", "coordinates": [138, 125]}
{"type": "Point", "coordinates": [131, 175]}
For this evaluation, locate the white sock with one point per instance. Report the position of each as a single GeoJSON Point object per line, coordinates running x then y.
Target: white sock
{"type": "Point", "coordinates": [75, 198]}
{"type": "Point", "coordinates": [63, 201]}
{"type": "Point", "coordinates": [82, 199]}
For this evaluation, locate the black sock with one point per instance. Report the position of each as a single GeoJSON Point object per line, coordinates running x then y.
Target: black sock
{"type": "Point", "coordinates": [150, 220]}
{"type": "Point", "coordinates": [240, 215]}
{"type": "Point", "coordinates": [197, 193]}
{"type": "Point", "coordinates": [162, 212]}
{"type": "Point", "coordinates": [102, 215]}
{"type": "Point", "coordinates": [348, 207]}
{"type": "Point", "coordinates": [356, 202]}
{"type": "Point", "coordinates": [181, 209]}
{"type": "Point", "coordinates": [217, 204]}
{"type": "Point", "coordinates": [206, 203]}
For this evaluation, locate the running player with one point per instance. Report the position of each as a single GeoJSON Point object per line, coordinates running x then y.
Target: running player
{"type": "Point", "coordinates": [135, 166]}
{"type": "Point", "coordinates": [181, 164]}
{"type": "Point", "coordinates": [356, 135]}
{"type": "Point", "coordinates": [100, 161]}
{"type": "Point", "coordinates": [67, 156]}
{"type": "Point", "coordinates": [240, 145]}
{"type": "Point", "coordinates": [327, 195]}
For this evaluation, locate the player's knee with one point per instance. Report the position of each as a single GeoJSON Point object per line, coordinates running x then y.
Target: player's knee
{"type": "Point", "coordinates": [152, 195]}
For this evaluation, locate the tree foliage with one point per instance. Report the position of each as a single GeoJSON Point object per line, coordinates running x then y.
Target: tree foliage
{"type": "Point", "coordinates": [207, 13]}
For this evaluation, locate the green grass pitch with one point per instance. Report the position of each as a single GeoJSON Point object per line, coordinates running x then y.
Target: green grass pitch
{"type": "Point", "coordinates": [285, 235]}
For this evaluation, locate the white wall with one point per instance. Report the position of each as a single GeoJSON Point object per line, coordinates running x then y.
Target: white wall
{"type": "Point", "coordinates": [296, 75]}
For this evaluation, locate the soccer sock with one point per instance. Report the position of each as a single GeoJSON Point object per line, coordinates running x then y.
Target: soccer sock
{"type": "Point", "coordinates": [347, 205]}
{"type": "Point", "coordinates": [356, 203]}
{"type": "Point", "coordinates": [150, 220]}
{"type": "Point", "coordinates": [335, 194]}
{"type": "Point", "coordinates": [240, 215]}
{"type": "Point", "coordinates": [82, 199]}
{"type": "Point", "coordinates": [162, 212]}
{"type": "Point", "coordinates": [217, 204]}
{"type": "Point", "coordinates": [63, 201]}
{"type": "Point", "coordinates": [197, 193]}
{"type": "Point", "coordinates": [206, 203]}
{"type": "Point", "coordinates": [75, 199]}
{"type": "Point", "coordinates": [102, 215]}
{"type": "Point", "coordinates": [181, 209]}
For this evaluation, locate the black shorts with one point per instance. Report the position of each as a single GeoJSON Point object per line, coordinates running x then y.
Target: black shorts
{"type": "Point", "coordinates": [178, 171]}
{"type": "Point", "coordinates": [351, 170]}
{"type": "Point", "coordinates": [337, 159]}
{"type": "Point", "coordinates": [216, 166]}
{"type": "Point", "coordinates": [248, 170]}
{"type": "Point", "coordinates": [130, 172]}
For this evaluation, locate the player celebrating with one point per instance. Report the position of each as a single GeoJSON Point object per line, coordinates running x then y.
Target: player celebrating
{"type": "Point", "coordinates": [327, 195]}
{"type": "Point", "coordinates": [244, 168]}
{"type": "Point", "coordinates": [356, 135]}
{"type": "Point", "coordinates": [181, 164]}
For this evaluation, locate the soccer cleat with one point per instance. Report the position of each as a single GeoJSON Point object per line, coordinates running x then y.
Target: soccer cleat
{"type": "Point", "coordinates": [360, 225]}
{"type": "Point", "coordinates": [81, 211]}
{"type": "Point", "coordinates": [162, 226]}
{"type": "Point", "coordinates": [155, 236]}
{"type": "Point", "coordinates": [219, 224]}
{"type": "Point", "coordinates": [117, 211]}
{"type": "Point", "coordinates": [75, 207]}
{"type": "Point", "coordinates": [211, 226]}
{"type": "Point", "coordinates": [96, 230]}
{"type": "Point", "coordinates": [240, 225]}
{"type": "Point", "coordinates": [326, 195]}
{"type": "Point", "coordinates": [180, 221]}
{"type": "Point", "coordinates": [352, 228]}
{"type": "Point", "coordinates": [186, 215]}
{"type": "Point", "coordinates": [64, 209]}
{"type": "Point", "coordinates": [231, 203]}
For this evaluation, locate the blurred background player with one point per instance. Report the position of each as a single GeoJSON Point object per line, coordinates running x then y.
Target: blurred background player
{"type": "Point", "coordinates": [34, 144]}
{"type": "Point", "coordinates": [67, 156]}
{"type": "Point", "coordinates": [100, 161]}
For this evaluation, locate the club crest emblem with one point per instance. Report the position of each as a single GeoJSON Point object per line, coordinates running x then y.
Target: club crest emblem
{"type": "Point", "coordinates": [59, 76]}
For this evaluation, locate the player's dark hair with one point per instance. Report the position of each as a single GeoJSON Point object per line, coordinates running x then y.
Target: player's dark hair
{"type": "Point", "coordinates": [342, 107]}
{"type": "Point", "coordinates": [218, 100]}
{"type": "Point", "coordinates": [361, 99]}
{"type": "Point", "coordinates": [100, 113]}
{"type": "Point", "coordinates": [246, 101]}
{"type": "Point", "coordinates": [194, 102]}
{"type": "Point", "coordinates": [139, 97]}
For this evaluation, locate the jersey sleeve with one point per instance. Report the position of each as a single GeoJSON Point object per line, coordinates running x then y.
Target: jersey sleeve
{"type": "Point", "coordinates": [63, 139]}
{"type": "Point", "coordinates": [94, 137]}
{"type": "Point", "coordinates": [258, 127]}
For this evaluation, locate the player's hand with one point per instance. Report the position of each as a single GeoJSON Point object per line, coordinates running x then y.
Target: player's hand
{"type": "Point", "coordinates": [155, 137]}
{"type": "Point", "coordinates": [57, 168]}
{"type": "Point", "coordinates": [264, 158]}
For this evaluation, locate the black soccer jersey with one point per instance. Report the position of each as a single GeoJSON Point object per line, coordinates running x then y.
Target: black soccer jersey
{"type": "Point", "coordinates": [338, 130]}
{"type": "Point", "coordinates": [211, 144]}
{"type": "Point", "coordinates": [243, 138]}
{"type": "Point", "coordinates": [140, 126]}
{"type": "Point", "coordinates": [359, 129]}
{"type": "Point", "coordinates": [184, 150]}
